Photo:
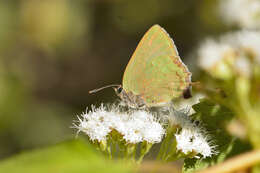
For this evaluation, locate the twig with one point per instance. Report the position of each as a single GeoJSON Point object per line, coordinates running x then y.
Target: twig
{"type": "Point", "coordinates": [239, 162]}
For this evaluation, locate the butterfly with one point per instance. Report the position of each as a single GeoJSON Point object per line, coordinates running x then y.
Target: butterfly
{"type": "Point", "coordinates": [155, 74]}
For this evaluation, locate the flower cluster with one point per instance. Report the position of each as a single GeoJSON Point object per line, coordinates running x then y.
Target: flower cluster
{"type": "Point", "coordinates": [244, 13]}
{"type": "Point", "coordinates": [190, 137]}
{"type": "Point", "coordinates": [134, 126]}
{"type": "Point", "coordinates": [233, 54]}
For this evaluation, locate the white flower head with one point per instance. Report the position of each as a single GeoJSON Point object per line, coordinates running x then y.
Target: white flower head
{"type": "Point", "coordinates": [246, 41]}
{"type": "Point", "coordinates": [244, 13]}
{"type": "Point", "coordinates": [191, 137]}
{"type": "Point", "coordinates": [141, 126]}
{"type": "Point", "coordinates": [96, 123]}
{"type": "Point", "coordinates": [194, 140]}
{"type": "Point", "coordinates": [135, 126]}
{"type": "Point", "coordinates": [230, 54]}
{"type": "Point", "coordinates": [211, 52]}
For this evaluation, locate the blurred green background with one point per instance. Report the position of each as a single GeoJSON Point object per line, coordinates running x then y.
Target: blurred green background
{"type": "Point", "coordinates": [53, 52]}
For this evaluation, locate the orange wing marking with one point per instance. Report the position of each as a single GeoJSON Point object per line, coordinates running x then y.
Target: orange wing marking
{"type": "Point", "coordinates": [181, 82]}
{"type": "Point", "coordinates": [152, 37]}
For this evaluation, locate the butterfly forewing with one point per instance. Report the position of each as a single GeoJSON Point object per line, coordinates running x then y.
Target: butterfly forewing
{"type": "Point", "coordinates": [155, 71]}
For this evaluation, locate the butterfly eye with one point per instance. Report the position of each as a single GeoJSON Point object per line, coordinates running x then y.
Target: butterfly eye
{"type": "Point", "coordinates": [119, 89]}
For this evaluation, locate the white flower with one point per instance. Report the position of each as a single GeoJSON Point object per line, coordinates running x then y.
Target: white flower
{"type": "Point", "coordinates": [153, 132]}
{"type": "Point", "coordinates": [245, 13]}
{"type": "Point", "coordinates": [96, 124]}
{"type": "Point", "coordinates": [230, 54]}
{"type": "Point", "coordinates": [211, 52]}
{"type": "Point", "coordinates": [190, 137]}
{"type": "Point", "coordinates": [193, 140]}
{"type": "Point", "coordinates": [131, 129]}
{"type": "Point", "coordinates": [141, 126]}
{"type": "Point", "coordinates": [135, 126]}
{"type": "Point", "coordinates": [246, 40]}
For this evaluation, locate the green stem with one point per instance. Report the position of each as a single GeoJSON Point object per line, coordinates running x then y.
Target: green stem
{"type": "Point", "coordinates": [105, 147]}
{"type": "Point", "coordinates": [165, 144]}
{"type": "Point", "coordinates": [145, 148]}
{"type": "Point", "coordinates": [172, 154]}
{"type": "Point", "coordinates": [130, 151]}
{"type": "Point", "coordinates": [161, 151]}
{"type": "Point", "coordinates": [113, 140]}
{"type": "Point", "coordinates": [109, 149]}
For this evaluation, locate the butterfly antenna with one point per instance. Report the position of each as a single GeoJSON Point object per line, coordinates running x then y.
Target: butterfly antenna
{"type": "Point", "coordinates": [98, 89]}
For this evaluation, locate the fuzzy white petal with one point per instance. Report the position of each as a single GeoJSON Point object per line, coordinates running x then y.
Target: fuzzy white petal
{"type": "Point", "coordinates": [135, 126]}
{"type": "Point", "coordinates": [191, 137]}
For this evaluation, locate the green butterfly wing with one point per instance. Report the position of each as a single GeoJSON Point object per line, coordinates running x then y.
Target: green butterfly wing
{"type": "Point", "coordinates": [155, 70]}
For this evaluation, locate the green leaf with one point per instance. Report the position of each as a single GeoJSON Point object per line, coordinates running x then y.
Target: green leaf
{"type": "Point", "coordinates": [74, 156]}
{"type": "Point", "coordinates": [213, 115]}
{"type": "Point", "coordinates": [214, 118]}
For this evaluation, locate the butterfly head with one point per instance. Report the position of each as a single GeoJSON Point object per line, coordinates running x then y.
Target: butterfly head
{"type": "Point", "coordinates": [120, 92]}
{"type": "Point", "coordinates": [119, 89]}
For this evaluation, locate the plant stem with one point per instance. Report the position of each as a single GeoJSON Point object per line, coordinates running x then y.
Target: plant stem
{"type": "Point", "coordinates": [236, 163]}
{"type": "Point", "coordinates": [172, 152]}
{"type": "Point", "coordinates": [161, 151]}
{"type": "Point", "coordinates": [145, 148]}
{"type": "Point", "coordinates": [165, 144]}
{"type": "Point", "coordinates": [109, 149]}
{"type": "Point", "coordinates": [130, 151]}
